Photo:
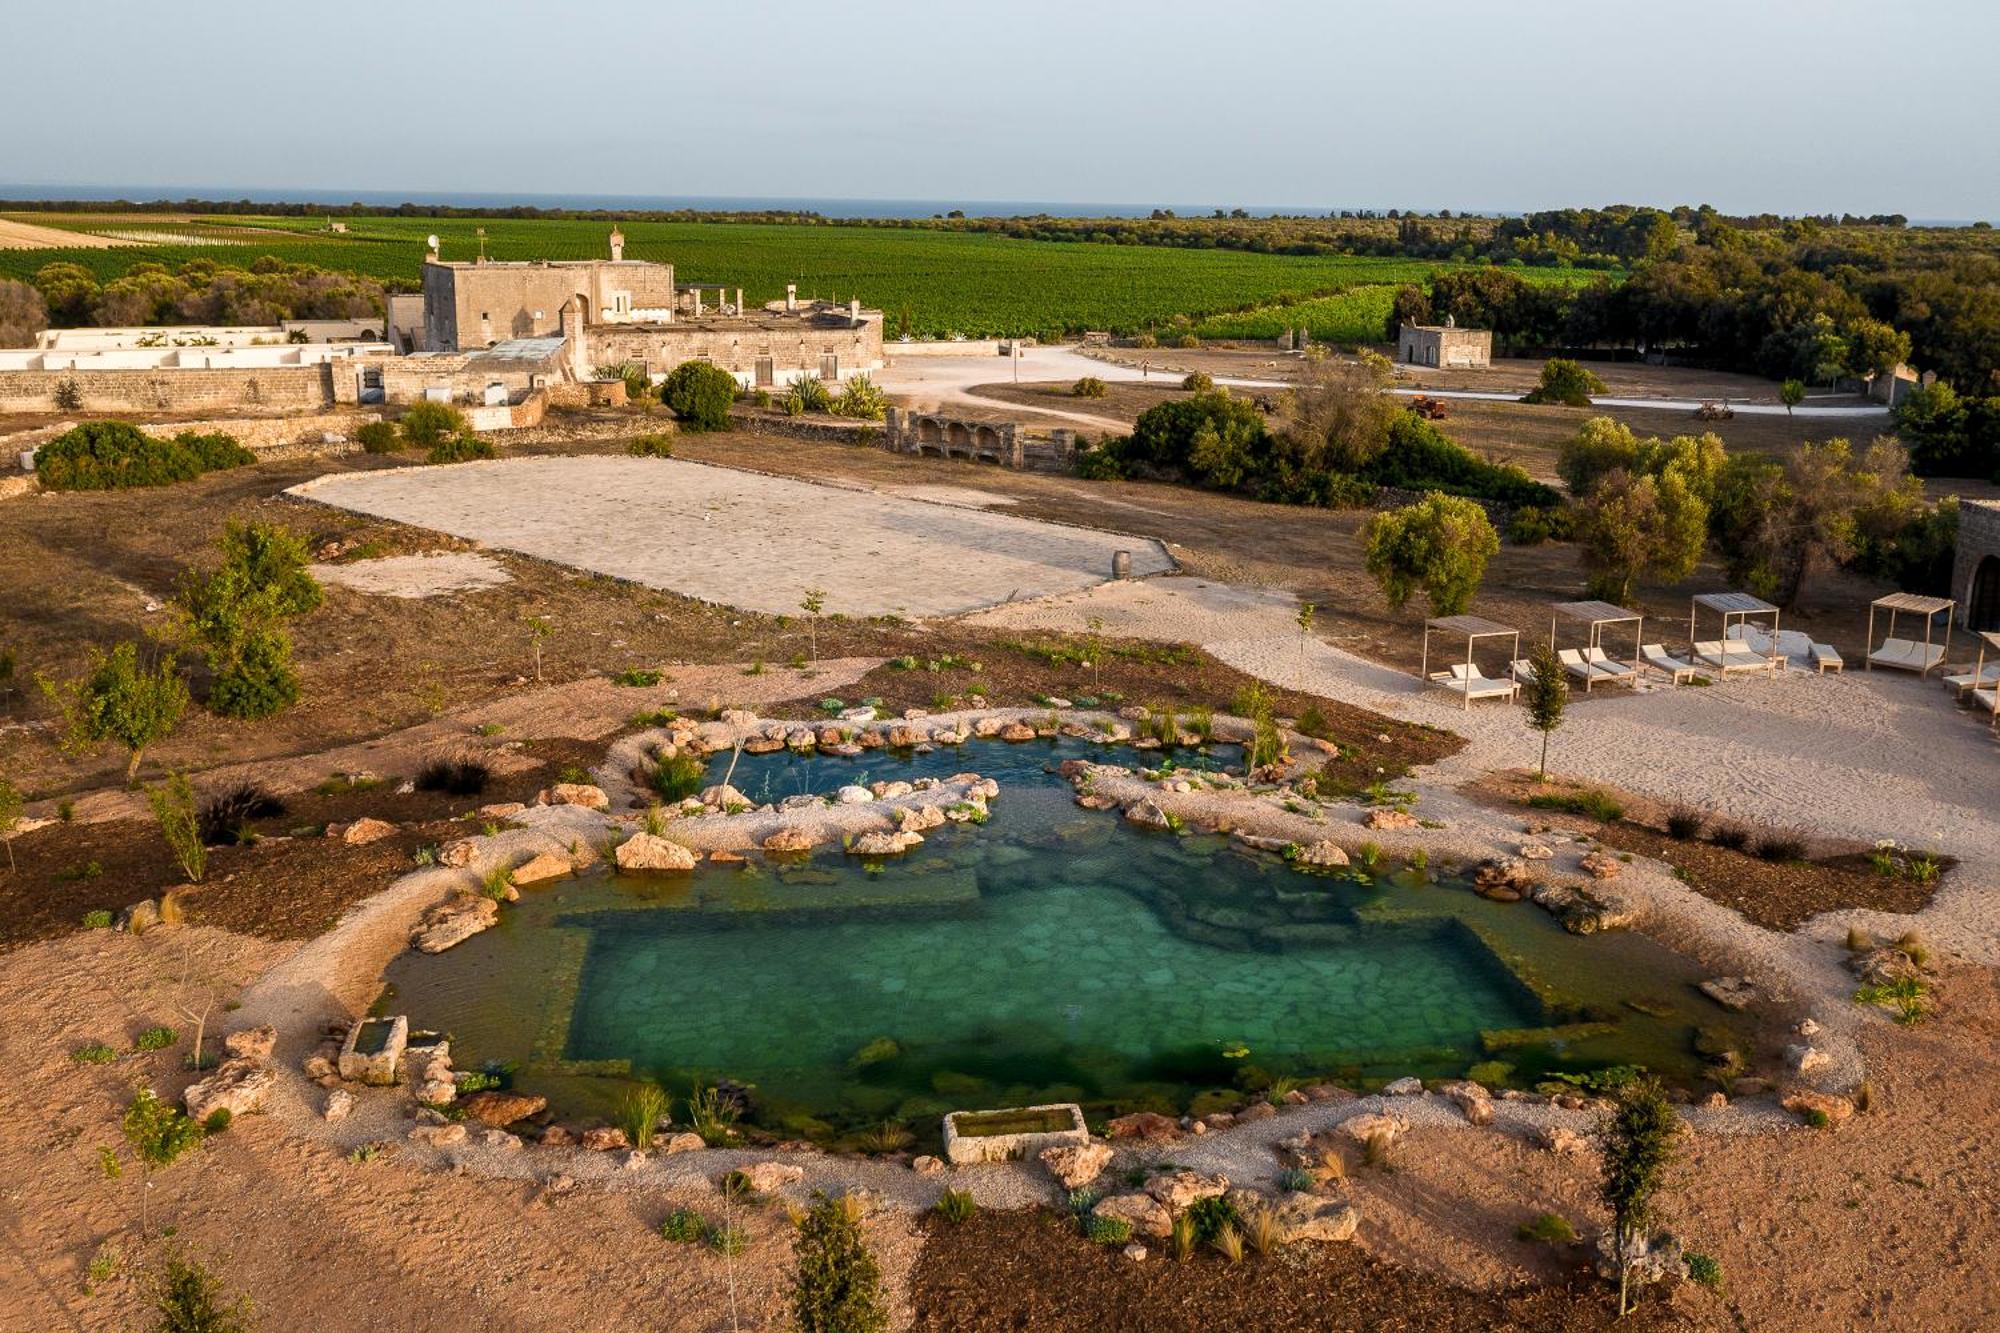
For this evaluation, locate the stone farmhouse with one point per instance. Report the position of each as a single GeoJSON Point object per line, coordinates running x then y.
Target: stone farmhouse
{"type": "Point", "coordinates": [1444, 345]}
{"type": "Point", "coordinates": [485, 333]}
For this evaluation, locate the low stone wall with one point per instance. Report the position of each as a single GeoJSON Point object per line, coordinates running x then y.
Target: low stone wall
{"type": "Point", "coordinates": [523, 415]}
{"type": "Point", "coordinates": [278, 388]}
{"type": "Point", "coordinates": [833, 430]}
{"type": "Point", "coordinates": [272, 439]}
{"type": "Point", "coordinates": [970, 347]}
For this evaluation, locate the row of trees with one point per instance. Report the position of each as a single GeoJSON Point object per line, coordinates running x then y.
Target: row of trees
{"type": "Point", "coordinates": [199, 291]}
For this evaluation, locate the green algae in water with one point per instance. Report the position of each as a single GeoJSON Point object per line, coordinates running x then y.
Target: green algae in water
{"type": "Point", "coordinates": [1051, 955]}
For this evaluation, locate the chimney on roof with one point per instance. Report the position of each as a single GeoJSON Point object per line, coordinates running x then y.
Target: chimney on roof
{"type": "Point", "coordinates": [617, 245]}
{"type": "Point", "coordinates": [791, 297]}
{"type": "Point", "coordinates": [739, 300]}
{"type": "Point", "coordinates": [854, 312]}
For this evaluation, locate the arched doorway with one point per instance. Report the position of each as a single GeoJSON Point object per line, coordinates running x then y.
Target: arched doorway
{"type": "Point", "coordinates": [1983, 605]}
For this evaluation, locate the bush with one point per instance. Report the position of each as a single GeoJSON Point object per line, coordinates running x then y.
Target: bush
{"type": "Point", "coordinates": [678, 777]}
{"type": "Point", "coordinates": [180, 824]}
{"type": "Point", "coordinates": [93, 1053]}
{"type": "Point", "coordinates": [1533, 525]}
{"type": "Point", "coordinates": [1440, 545]}
{"type": "Point", "coordinates": [1107, 1230]}
{"type": "Point", "coordinates": [1088, 387]}
{"type": "Point", "coordinates": [685, 1226]}
{"type": "Point", "coordinates": [189, 1299]}
{"type": "Point", "coordinates": [860, 400]}
{"type": "Point", "coordinates": [1547, 1228]}
{"type": "Point", "coordinates": [1781, 847]}
{"type": "Point", "coordinates": [655, 445]}
{"type": "Point", "coordinates": [956, 1206]}
{"type": "Point", "coordinates": [426, 425]}
{"type": "Point", "coordinates": [155, 1039]}
{"type": "Point", "coordinates": [459, 449]}
{"type": "Point", "coordinates": [379, 437]}
{"type": "Point", "coordinates": [158, 1132]}
{"type": "Point", "coordinates": [454, 775]}
{"type": "Point", "coordinates": [1732, 837]}
{"type": "Point", "coordinates": [234, 615]}
{"type": "Point", "coordinates": [700, 394]}
{"type": "Point", "coordinates": [1421, 457]}
{"type": "Point", "coordinates": [1210, 1216]}
{"type": "Point", "coordinates": [1565, 382]}
{"type": "Point", "coordinates": [1104, 463]}
{"type": "Point", "coordinates": [1685, 823]}
{"type": "Point", "coordinates": [1198, 382]}
{"type": "Point", "coordinates": [118, 700]}
{"type": "Point", "coordinates": [808, 393]}
{"type": "Point", "coordinates": [838, 1288]}
{"type": "Point", "coordinates": [1593, 804]}
{"type": "Point", "coordinates": [113, 455]}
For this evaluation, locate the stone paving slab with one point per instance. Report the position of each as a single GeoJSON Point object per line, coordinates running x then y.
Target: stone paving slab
{"type": "Point", "coordinates": [741, 539]}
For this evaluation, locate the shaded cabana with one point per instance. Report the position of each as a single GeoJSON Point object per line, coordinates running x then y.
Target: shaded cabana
{"type": "Point", "coordinates": [1465, 679]}
{"type": "Point", "coordinates": [1985, 693]}
{"type": "Point", "coordinates": [1591, 662]}
{"type": "Point", "coordinates": [1908, 654]}
{"type": "Point", "coordinates": [1723, 653]}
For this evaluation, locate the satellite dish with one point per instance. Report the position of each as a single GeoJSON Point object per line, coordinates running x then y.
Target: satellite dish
{"type": "Point", "coordinates": [431, 240]}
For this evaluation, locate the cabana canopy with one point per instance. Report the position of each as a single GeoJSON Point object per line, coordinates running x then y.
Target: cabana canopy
{"type": "Point", "coordinates": [1597, 615]}
{"type": "Point", "coordinates": [1731, 606]}
{"type": "Point", "coordinates": [1907, 654]}
{"type": "Point", "coordinates": [1471, 629]}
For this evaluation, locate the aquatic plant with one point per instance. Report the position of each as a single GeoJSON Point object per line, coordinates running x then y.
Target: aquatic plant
{"type": "Point", "coordinates": [887, 1137]}
{"type": "Point", "coordinates": [711, 1115]}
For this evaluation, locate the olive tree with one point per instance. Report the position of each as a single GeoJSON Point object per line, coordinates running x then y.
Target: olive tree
{"type": "Point", "coordinates": [235, 615]}
{"type": "Point", "coordinates": [1638, 1147]}
{"type": "Point", "coordinates": [1439, 545]}
{"type": "Point", "coordinates": [1631, 526]}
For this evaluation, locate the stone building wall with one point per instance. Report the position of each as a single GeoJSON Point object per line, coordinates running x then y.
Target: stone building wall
{"type": "Point", "coordinates": [267, 389]}
{"type": "Point", "coordinates": [471, 305]}
{"type": "Point", "coordinates": [1975, 583]}
{"type": "Point", "coordinates": [791, 346]}
{"type": "Point", "coordinates": [1444, 346]}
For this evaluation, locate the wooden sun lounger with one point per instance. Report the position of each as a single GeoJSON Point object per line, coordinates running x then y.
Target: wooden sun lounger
{"type": "Point", "coordinates": [1907, 655]}
{"type": "Point", "coordinates": [1609, 669]}
{"type": "Point", "coordinates": [1523, 670]}
{"type": "Point", "coordinates": [1656, 656]}
{"type": "Point", "coordinates": [1474, 684]}
{"type": "Point", "coordinates": [1990, 701]}
{"type": "Point", "coordinates": [1718, 654]}
{"type": "Point", "coordinates": [1968, 680]}
{"type": "Point", "coordinates": [1826, 658]}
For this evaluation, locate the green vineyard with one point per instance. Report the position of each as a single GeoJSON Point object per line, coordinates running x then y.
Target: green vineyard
{"type": "Point", "coordinates": [931, 283]}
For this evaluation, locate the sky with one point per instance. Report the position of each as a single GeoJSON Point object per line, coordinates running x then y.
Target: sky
{"type": "Point", "coordinates": [1501, 105]}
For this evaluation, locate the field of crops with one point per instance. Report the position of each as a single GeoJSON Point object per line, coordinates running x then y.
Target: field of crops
{"type": "Point", "coordinates": [945, 282]}
{"type": "Point", "coordinates": [1356, 315]}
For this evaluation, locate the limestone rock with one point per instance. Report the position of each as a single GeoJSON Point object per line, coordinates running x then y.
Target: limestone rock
{"type": "Point", "coordinates": [1804, 1103]}
{"type": "Point", "coordinates": [1732, 993]}
{"type": "Point", "coordinates": [682, 1142]}
{"type": "Point", "coordinates": [1146, 1215]}
{"type": "Point", "coordinates": [366, 830]}
{"type": "Point", "coordinates": [585, 794]}
{"type": "Point", "coordinates": [1147, 814]}
{"type": "Point", "coordinates": [458, 853]}
{"type": "Point", "coordinates": [1324, 854]}
{"type": "Point", "coordinates": [1390, 819]}
{"type": "Point", "coordinates": [722, 796]}
{"type": "Point", "coordinates": [649, 851]}
{"type": "Point", "coordinates": [770, 1177]}
{"type": "Point", "coordinates": [1366, 1126]}
{"type": "Point", "coordinates": [1564, 1141]}
{"type": "Point", "coordinates": [454, 921]}
{"type": "Point", "coordinates": [1503, 878]}
{"type": "Point", "coordinates": [252, 1043]}
{"type": "Point", "coordinates": [499, 1138]}
{"type": "Point", "coordinates": [791, 840]}
{"type": "Point", "coordinates": [1076, 1165]}
{"type": "Point", "coordinates": [1146, 1126]}
{"type": "Point", "coordinates": [502, 809]}
{"type": "Point", "coordinates": [1408, 1086]}
{"type": "Point", "coordinates": [605, 1138]}
{"type": "Point", "coordinates": [438, 1136]}
{"type": "Point", "coordinates": [1017, 731]}
{"type": "Point", "coordinates": [542, 867]}
{"type": "Point", "coordinates": [927, 1165]}
{"type": "Point", "coordinates": [853, 795]}
{"type": "Point", "coordinates": [1134, 1251]}
{"type": "Point", "coordinates": [238, 1086]}
{"type": "Point", "coordinates": [339, 1105]}
{"type": "Point", "coordinates": [1580, 911]}
{"type": "Point", "coordinates": [884, 844]}
{"type": "Point", "coordinates": [500, 1109]}
{"type": "Point", "coordinates": [1183, 1188]}
{"type": "Point", "coordinates": [1472, 1099]}
{"type": "Point", "coordinates": [1804, 1058]}
{"type": "Point", "coordinates": [1256, 1111]}
{"type": "Point", "coordinates": [1313, 1217]}
{"type": "Point", "coordinates": [1599, 866]}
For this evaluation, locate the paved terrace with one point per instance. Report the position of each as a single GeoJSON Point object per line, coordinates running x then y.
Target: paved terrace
{"type": "Point", "coordinates": [741, 539]}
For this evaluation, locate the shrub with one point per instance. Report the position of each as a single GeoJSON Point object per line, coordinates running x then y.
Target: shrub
{"type": "Point", "coordinates": [113, 455]}
{"type": "Point", "coordinates": [156, 1038]}
{"type": "Point", "coordinates": [1685, 823]}
{"type": "Point", "coordinates": [636, 678]}
{"type": "Point", "coordinates": [454, 775]}
{"type": "Point", "coordinates": [684, 1225]}
{"type": "Point", "coordinates": [190, 1299]}
{"type": "Point", "coordinates": [459, 449]}
{"type": "Point", "coordinates": [235, 613]}
{"type": "Point", "coordinates": [1533, 525]}
{"type": "Point", "coordinates": [93, 1053]}
{"type": "Point", "coordinates": [1211, 1215]}
{"type": "Point", "coordinates": [700, 394]}
{"type": "Point", "coordinates": [69, 398]}
{"type": "Point", "coordinates": [158, 1132]}
{"type": "Point", "coordinates": [956, 1206]}
{"type": "Point", "coordinates": [426, 425]}
{"type": "Point", "coordinates": [1548, 1229]}
{"type": "Point", "coordinates": [710, 1115]}
{"type": "Point", "coordinates": [728, 1239]}
{"type": "Point", "coordinates": [1705, 1270]}
{"type": "Point", "coordinates": [678, 777]}
{"type": "Point", "coordinates": [217, 1120]}
{"type": "Point", "coordinates": [379, 437]}
{"type": "Point", "coordinates": [1145, 340]}
{"type": "Point", "coordinates": [1088, 387]}
{"type": "Point", "coordinates": [655, 445]}
{"type": "Point", "coordinates": [1107, 1230]}
{"type": "Point", "coordinates": [1293, 1180]}
{"type": "Point", "coordinates": [808, 393]}
{"type": "Point", "coordinates": [180, 824]}
{"type": "Point", "coordinates": [1595, 804]}
{"type": "Point", "coordinates": [860, 400]}
{"type": "Point", "coordinates": [1421, 457]}
{"type": "Point", "coordinates": [98, 920]}
{"type": "Point", "coordinates": [1781, 847]}
{"type": "Point", "coordinates": [1731, 837]}
{"type": "Point", "coordinates": [838, 1288]}
{"type": "Point", "coordinates": [640, 1112]}
{"type": "Point", "coordinates": [1565, 382]}
{"type": "Point", "coordinates": [1199, 382]}
{"type": "Point", "coordinates": [224, 816]}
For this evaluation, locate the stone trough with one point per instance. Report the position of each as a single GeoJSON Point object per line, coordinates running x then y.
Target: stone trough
{"type": "Point", "coordinates": [969, 1136]}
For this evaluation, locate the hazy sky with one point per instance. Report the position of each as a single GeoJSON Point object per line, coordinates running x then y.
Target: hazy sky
{"type": "Point", "coordinates": [1783, 105]}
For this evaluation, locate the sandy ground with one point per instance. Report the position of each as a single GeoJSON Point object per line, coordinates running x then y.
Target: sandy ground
{"type": "Point", "coordinates": [694, 530]}
{"type": "Point", "coordinates": [17, 235]}
{"type": "Point", "coordinates": [432, 574]}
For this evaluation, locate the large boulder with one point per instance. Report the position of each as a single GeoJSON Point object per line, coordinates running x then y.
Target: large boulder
{"type": "Point", "coordinates": [649, 851]}
{"type": "Point", "coordinates": [1076, 1165]}
{"type": "Point", "coordinates": [1504, 879]}
{"type": "Point", "coordinates": [1145, 1126]}
{"type": "Point", "coordinates": [1182, 1189]}
{"type": "Point", "coordinates": [1314, 1217]}
{"type": "Point", "coordinates": [1472, 1099]}
{"type": "Point", "coordinates": [501, 1109]}
{"type": "Point", "coordinates": [454, 921]}
{"type": "Point", "coordinates": [1362, 1128]}
{"type": "Point", "coordinates": [1146, 1215]}
{"type": "Point", "coordinates": [1017, 731]}
{"type": "Point", "coordinates": [1389, 818]}
{"type": "Point", "coordinates": [1147, 814]}
{"type": "Point", "coordinates": [722, 796]}
{"type": "Point", "coordinates": [251, 1043]}
{"type": "Point", "coordinates": [884, 844]}
{"type": "Point", "coordinates": [366, 830]}
{"type": "Point", "coordinates": [770, 1177]}
{"type": "Point", "coordinates": [238, 1086]}
{"type": "Point", "coordinates": [1324, 854]}
{"type": "Point", "coordinates": [543, 867]}
{"type": "Point", "coordinates": [791, 840]}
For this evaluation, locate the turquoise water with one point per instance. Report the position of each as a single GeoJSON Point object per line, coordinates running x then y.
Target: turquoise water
{"type": "Point", "coordinates": [1051, 954]}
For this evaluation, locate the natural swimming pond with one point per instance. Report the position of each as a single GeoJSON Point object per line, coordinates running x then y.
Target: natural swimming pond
{"type": "Point", "coordinates": [1052, 954]}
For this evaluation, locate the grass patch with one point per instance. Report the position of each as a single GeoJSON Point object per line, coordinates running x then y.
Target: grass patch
{"type": "Point", "coordinates": [1595, 804]}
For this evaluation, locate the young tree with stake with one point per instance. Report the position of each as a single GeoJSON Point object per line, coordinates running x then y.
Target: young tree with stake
{"type": "Point", "coordinates": [812, 604]}
{"type": "Point", "coordinates": [1638, 1149]}
{"type": "Point", "coordinates": [1546, 694]}
{"type": "Point", "coordinates": [539, 628]}
{"type": "Point", "coordinates": [1305, 619]}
